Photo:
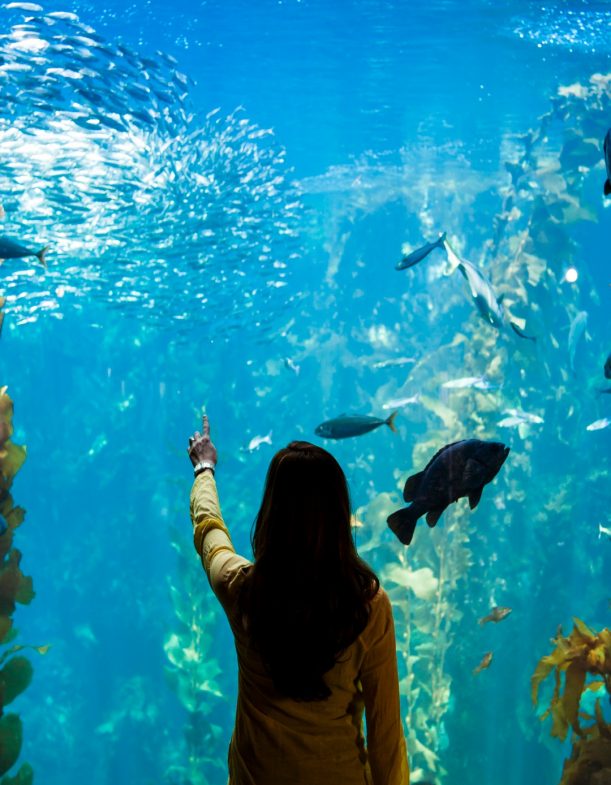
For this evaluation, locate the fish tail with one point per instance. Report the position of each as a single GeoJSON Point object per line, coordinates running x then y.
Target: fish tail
{"type": "Point", "coordinates": [40, 255]}
{"type": "Point", "coordinates": [440, 242]}
{"type": "Point", "coordinates": [391, 421]}
{"type": "Point", "coordinates": [403, 523]}
{"type": "Point", "coordinates": [519, 332]}
{"type": "Point", "coordinates": [607, 187]}
{"type": "Point", "coordinates": [483, 620]}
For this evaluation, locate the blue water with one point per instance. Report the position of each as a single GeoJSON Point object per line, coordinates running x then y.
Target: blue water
{"type": "Point", "coordinates": [391, 123]}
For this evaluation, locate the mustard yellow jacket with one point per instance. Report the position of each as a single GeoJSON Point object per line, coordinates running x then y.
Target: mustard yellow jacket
{"type": "Point", "coordinates": [279, 741]}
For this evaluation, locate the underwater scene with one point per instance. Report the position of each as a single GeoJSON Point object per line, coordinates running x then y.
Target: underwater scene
{"type": "Point", "coordinates": [379, 226]}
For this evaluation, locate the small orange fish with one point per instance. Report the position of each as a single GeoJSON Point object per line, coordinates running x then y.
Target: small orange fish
{"type": "Point", "coordinates": [498, 613]}
{"type": "Point", "coordinates": [485, 663]}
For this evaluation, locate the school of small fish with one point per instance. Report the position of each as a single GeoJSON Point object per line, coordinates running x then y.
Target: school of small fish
{"type": "Point", "coordinates": [88, 130]}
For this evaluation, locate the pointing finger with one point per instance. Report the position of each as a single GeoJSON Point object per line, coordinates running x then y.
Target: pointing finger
{"type": "Point", "coordinates": [205, 426]}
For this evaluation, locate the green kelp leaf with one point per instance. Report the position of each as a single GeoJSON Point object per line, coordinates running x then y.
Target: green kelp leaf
{"type": "Point", "coordinates": [173, 649]}
{"type": "Point", "coordinates": [15, 517]}
{"type": "Point", "coordinates": [183, 609]}
{"type": "Point", "coordinates": [544, 667]}
{"type": "Point", "coordinates": [422, 582]}
{"type": "Point", "coordinates": [6, 624]}
{"type": "Point", "coordinates": [560, 725]}
{"type": "Point", "coordinates": [189, 698]}
{"type": "Point", "coordinates": [15, 676]}
{"type": "Point", "coordinates": [575, 679]}
{"type": "Point", "coordinates": [12, 460]}
{"type": "Point", "coordinates": [603, 729]}
{"type": "Point", "coordinates": [6, 416]}
{"type": "Point", "coordinates": [20, 647]}
{"type": "Point", "coordinates": [14, 585]}
{"type": "Point", "coordinates": [595, 685]}
{"type": "Point", "coordinates": [6, 543]}
{"type": "Point", "coordinates": [429, 755]}
{"type": "Point", "coordinates": [10, 741]}
{"type": "Point", "coordinates": [25, 776]}
{"type": "Point", "coordinates": [210, 686]}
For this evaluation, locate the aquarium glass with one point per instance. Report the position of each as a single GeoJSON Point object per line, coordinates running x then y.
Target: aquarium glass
{"type": "Point", "coordinates": [210, 206]}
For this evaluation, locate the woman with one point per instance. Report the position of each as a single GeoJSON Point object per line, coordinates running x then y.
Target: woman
{"type": "Point", "coordinates": [313, 630]}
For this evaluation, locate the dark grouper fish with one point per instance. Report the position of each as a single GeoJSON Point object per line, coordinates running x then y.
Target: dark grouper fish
{"type": "Point", "coordinates": [607, 153]}
{"type": "Point", "coordinates": [421, 253]}
{"type": "Point", "coordinates": [457, 470]}
{"type": "Point", "coordinates": [353, 425]}
{"type": "Point", "coordinates": [9, 249]}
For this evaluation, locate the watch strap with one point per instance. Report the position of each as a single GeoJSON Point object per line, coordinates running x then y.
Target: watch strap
{"type": "Point", "coordinates": [201, 466]}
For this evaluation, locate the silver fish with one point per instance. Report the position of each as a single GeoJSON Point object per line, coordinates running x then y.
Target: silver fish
{"type": "Point", "coordinates": [524, 416]}
{"type": "Point", "coordinates": [510, 422]}
{"type": "Point", "coordinates": [604, 531]}
{"type": "Point", "coordinates": [598, 425]}
{"type": "Point", "coordinates": [394, 362]}
{"type": "Point", "coordinates": [9, 249]}
{"type": "Point", "coordinates": [421, 253]}
{"type": "Point", "coordinates": [484, 297]}
{"type": "Point", "coordinates": [347, 425]}
{"type": "Point", "coordinates": [399, 403]}
{"type": "Point", "coordinates": [257, 441]}
{"type": "Point", "coordinates": [292, 366]}
{"type": "Point", "coordinates": [479, 382]}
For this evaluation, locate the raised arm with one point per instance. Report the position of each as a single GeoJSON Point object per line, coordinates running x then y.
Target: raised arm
{"type": "Point", "coordinates": [210, 535]}
{"type": "Point", "coordinates": [380, 681]}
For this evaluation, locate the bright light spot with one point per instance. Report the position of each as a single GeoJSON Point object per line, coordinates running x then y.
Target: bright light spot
{"type": "Point", "coordinates": [571, 275]}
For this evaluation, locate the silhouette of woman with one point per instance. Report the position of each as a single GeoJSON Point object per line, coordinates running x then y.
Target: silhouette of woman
{"type": "Point", "coordinates": [313, 629]}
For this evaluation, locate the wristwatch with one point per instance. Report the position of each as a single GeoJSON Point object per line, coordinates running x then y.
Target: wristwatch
{"type": "Point", "coordinates": [201, 466]}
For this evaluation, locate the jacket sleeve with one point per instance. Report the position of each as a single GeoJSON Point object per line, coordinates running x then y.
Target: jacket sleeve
{"type": "Point", "coordinates": [211, 538]}
{"type": "Point", "coordinates": [380, 682]}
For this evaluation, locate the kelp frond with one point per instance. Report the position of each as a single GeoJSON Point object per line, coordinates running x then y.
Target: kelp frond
{"type": "Point", "coordinates": [583, 652]}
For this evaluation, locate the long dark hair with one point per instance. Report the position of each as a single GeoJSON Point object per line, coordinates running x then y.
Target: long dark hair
{"type": "Point", "coordinates": [306, 598]}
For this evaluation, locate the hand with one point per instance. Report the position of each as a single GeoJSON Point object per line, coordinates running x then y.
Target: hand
{"type": "Point", "coordinates": [200, 447]}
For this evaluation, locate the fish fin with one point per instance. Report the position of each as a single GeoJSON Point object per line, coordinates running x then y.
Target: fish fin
{"type": "Point", "coordinates": [403, 523]}
{"type": "Point", "coordinates": [40, 255]}
{"type": "Point", "coordinates": [433, 516]}
{"type": "Point", "coordinates": [438, 453]}
{"type": "Point", "coordinates": [411, 486]}
{"type": "Point", "coordinates": [391, 421]}
{"type": "Point", "coordinates": [500, 298]}
{"type": "Point", "coordinates": [607, 187]}
{"type": "Point", "coordinates": [474, 497]}
{"type": "Point", "coordinates": [519, 332]}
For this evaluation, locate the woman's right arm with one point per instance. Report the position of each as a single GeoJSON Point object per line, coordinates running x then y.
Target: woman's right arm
{"type": "Point", "coordinates": [210, 535]}
{"type": "Point", "coordinates": [380, 681]}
